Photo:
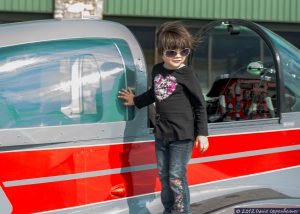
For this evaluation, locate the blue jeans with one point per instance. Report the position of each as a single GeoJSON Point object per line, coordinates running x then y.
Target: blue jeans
{"type": "Point", "coordinates": [172, 159]}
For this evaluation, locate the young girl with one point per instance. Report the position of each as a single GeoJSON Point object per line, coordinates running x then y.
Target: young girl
{"type": "Point", "coordinates": [181, 118]}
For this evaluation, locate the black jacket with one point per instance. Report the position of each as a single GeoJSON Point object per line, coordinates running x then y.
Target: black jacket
{"type": "Point", "coordinates": [180, 105]}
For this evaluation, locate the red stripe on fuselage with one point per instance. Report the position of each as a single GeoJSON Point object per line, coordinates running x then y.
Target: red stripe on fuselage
{"type": "Point", "coordinates": [20, 165]}
{"type": "Point", "coordinates": [53, 162]}
{"type": "Point", "coordinates": [63, 194]}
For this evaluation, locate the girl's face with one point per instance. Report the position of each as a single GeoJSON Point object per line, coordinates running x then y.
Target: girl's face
{"type": "Point", "coordinates": [174, 59]}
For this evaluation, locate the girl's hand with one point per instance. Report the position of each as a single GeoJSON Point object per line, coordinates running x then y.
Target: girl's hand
{"type": "Point", "coordinates": [127, 95]}
{"type": "Point", "coordinates": [202, 141]}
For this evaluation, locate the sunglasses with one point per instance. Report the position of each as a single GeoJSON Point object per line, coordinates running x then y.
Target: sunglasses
{"type": "Point", "coordinates": [173, 53]}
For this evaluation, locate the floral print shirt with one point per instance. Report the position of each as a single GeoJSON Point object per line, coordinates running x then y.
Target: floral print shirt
{"type": "Point", "coordinates": [164, 87]}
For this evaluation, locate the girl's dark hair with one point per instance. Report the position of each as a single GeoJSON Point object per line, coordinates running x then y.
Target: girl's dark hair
{"type": "Point", "coordinates": [174, 35]}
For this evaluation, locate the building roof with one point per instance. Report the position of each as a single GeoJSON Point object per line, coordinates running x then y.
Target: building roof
{"type": "Point", "coordinates": [285, 11]}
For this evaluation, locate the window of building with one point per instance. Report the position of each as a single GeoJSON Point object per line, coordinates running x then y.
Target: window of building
{"type": "Point", "coordinates": [64, 82]}
{"type": "Point", "coordinates": [146, 38]}
{"type": "Point", "coordinates": [292, 37]}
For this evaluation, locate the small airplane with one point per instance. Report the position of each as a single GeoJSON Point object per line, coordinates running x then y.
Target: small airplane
{"type": "Point", "coordinates": [68, 145]}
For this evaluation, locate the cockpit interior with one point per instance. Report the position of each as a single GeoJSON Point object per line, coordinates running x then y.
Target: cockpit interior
{"type": "Point", "coordinates": [236, 71]}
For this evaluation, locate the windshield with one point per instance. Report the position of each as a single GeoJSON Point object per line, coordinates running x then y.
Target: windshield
{"type": "Point", "coordinates": [290, 64]}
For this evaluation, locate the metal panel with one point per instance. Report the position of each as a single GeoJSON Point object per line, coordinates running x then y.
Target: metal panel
{"type": "Point", "coordinates": [36, 6]}
{"type": "Point", "coordinates": [257, 10]}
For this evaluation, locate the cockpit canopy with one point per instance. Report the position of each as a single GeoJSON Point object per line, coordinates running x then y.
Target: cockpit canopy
{"type": "Point", "coordinates": [246, 71]}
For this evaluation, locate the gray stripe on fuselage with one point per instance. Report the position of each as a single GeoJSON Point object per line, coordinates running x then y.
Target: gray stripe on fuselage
{"type": "Point", "coordinates": [78, 175]}
{"type": "Point", "coordinates": [244, 154]}
{"type": "Point", "coordinates": [142, 167]}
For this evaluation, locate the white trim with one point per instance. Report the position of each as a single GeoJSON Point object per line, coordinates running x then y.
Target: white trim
{"type": "Point", "coordinates": [73, 147]}
{"type": "Point", "coordinates": [265, 131]}
{"type": "Point", "coordinates": [107, 144]}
